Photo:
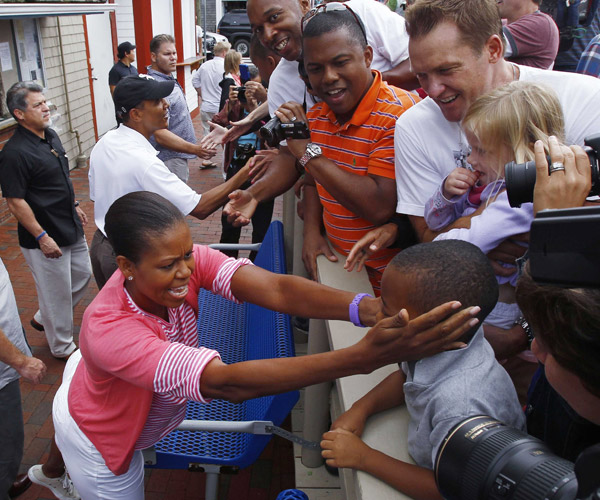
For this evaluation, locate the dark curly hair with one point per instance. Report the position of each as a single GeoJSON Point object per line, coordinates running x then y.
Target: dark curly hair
{"type": "Point", "coordinates": [447, 270]}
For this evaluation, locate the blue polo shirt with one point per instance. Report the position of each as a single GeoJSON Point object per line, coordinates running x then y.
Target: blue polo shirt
{"type": "Point", "coordinates": [180, 121]}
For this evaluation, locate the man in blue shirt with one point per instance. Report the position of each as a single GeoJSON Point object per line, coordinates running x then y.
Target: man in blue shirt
{"type": "Point", "coordinates": [177, 144]}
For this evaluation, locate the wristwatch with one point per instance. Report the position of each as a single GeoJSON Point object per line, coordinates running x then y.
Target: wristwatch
{"type": "Point", "coordinates": [312, 151]}
{"type": "Point", "coordinates": [523, 323]}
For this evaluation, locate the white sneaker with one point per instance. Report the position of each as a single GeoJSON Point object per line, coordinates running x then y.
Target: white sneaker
{"type": "Point", "coordinates": [62, 487]}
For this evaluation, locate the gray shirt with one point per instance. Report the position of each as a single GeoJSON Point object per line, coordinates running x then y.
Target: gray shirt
{"type": "Point", "coordinates": [180, 121]}
{"type": "Point", "coordinates": [10, 324]}
{"type": "Point", "coordinates": [443, 390]}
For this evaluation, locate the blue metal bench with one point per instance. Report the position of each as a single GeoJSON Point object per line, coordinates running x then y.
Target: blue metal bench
{"type": "Point", "coordinates": [239, 332]}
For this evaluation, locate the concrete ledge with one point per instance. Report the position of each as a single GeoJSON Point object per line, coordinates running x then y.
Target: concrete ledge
{"type": "Point", "coordinates": [387, 431]}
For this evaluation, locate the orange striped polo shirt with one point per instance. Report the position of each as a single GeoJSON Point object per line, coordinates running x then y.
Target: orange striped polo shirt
{"type": "Point", "coordinates": [363, 145]}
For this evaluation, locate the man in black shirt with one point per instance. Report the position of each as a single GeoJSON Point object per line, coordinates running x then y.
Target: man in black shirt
{"type": "Point", "coordinates": [34, 175]}
{"type": "Point", "coordinates": [123, 68]}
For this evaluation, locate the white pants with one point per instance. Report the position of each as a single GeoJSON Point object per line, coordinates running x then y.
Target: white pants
{"type": "Point", "coordinates": [205, 117]}
{"type": "Point", "coordinates": [87, 468]}
{"type": "Point", "coordinates": [60, 283]}
{"type": "Point", "coordinates": [179, 166]}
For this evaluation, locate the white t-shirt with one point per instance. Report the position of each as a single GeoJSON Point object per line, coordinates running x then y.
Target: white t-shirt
{"type": "Point", "coordinates": [208, 77]}
{"type": "Point", "coordinates": [122, 162]}
{"type": "Point", "coordinates": [427, 147]}
{"type": "Point", "coordinates": [285, 85]}
{"type": "Point", "coordinates": [386, 34]}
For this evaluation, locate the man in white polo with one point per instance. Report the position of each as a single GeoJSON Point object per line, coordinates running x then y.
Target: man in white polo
{"type": "Point", "coordinates": [206, 82]}
{"type": "Point", "coordinates": [124, 161]}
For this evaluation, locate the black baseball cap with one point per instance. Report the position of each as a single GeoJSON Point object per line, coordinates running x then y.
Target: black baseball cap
{"type": "Point", "coordinates": [123, 48]}
{"type": "Point", "coordinates": [132, 90]}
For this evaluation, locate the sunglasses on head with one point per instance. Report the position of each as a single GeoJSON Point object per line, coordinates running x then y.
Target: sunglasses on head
{"type": "Point", "coordinates": [330, 7]}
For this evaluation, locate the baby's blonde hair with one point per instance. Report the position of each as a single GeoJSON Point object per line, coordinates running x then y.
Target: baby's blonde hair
{"type": "Point", "coordinates": [514, 116]}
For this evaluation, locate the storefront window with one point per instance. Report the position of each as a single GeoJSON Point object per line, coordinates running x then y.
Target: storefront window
{"type": "Point", "coordinates": [20, 56]}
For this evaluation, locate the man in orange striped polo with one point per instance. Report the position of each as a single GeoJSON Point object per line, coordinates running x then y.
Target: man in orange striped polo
{"type": "Point", "coordinates": [350, 183]}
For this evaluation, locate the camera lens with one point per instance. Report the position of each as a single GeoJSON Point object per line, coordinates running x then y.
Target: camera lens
{"type": "Point", "coordinates": [520, 181]}
{"type": "Point", "coordinates": [269, 132]}
{"type": "Point", "coordinates": [481, 458]}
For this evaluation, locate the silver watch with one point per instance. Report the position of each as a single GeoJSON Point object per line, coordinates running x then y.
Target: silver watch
{"type": "Point", "coordinates": [312, 151]}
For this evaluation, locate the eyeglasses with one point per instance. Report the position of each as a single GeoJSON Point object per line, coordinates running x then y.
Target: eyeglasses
{"type": "Point", "coordinates": [330, 7]}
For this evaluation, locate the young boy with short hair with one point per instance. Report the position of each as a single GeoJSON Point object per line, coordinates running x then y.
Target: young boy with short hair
{"type": "Point", "coordinates": [439, 391]}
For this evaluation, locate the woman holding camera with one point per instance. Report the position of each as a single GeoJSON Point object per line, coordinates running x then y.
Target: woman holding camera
{"type": "Point", "coordinates": [232, 76]}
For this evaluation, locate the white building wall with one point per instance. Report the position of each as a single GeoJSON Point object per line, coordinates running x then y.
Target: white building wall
{"type": "Point", "coordinates": [188, 28]}
{"type": "Point", "coordinates": [162, 17]}
{"type": "Point", "coordinates": [78, 83]}
{"type": "Point", "coordinates": [162, 22]}
{"type": "Point", "coordinates": [124, 17]}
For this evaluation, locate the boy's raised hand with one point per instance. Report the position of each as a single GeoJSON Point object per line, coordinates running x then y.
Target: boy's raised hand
{"type": "Point", "coordinates": [458, 182]}
{"type": "Point", "coordinates": [341, 448]}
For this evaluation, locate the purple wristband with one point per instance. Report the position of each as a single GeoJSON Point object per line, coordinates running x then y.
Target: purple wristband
{"type": "Point", "coordinates": [353, 309]}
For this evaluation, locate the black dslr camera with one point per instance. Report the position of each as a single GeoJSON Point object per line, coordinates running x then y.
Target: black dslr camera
{"type": "Point", "coordinates": [273, 132]}
{"type": "Point", "coordinates": [564, 245]}
{"type": "Point", "coordinates": [520, 177]}
{"type": "Point", "coordinates": [241, 93]}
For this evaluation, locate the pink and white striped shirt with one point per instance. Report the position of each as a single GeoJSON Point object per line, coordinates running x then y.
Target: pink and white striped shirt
{"type": "Point", "coordinates": [178, 374]}
{"type": "Point", "coordinates": [138, 370]}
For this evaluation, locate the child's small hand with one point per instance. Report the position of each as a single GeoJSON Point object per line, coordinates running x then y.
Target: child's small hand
{"type": "Point", "coordinates": [352, 421]}
{"type": "Point", "coordinates": [458, 182]}
{"type": "Point", "coordinates": [343, 449]}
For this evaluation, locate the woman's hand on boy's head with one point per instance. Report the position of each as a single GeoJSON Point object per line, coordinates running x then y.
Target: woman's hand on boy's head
{"type": "Point", "coordinates": [458, 182]}
{"type": "Point", "coordinates": [398, 338]}
{"type": "Point", "coordinates": [343, 449]}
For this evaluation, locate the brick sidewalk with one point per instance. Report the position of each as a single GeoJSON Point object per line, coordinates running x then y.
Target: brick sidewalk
{"type": "Point", "coordinates": [274, 470]}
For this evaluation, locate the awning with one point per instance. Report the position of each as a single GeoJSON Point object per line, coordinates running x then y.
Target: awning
{"type": "Point", "coordinates": [44, 9]}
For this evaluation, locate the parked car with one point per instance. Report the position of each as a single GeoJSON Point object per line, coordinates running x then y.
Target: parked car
{"type": "Point", "coordinates": [235, 25]}
{"type": "Point", "coordinates": [211, 40]}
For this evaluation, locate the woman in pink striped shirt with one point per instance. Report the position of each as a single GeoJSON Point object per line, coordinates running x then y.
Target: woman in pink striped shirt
{"type": "Point", "coordinates": [140, 361]}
